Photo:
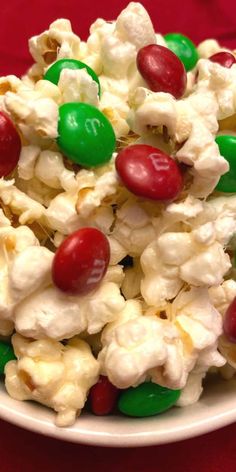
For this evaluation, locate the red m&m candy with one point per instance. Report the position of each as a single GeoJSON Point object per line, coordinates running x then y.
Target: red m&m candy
{"type": "Point", "coordinates": [10, 145]}
{"type": "Point", "coordinates": [162, 70]}
{"type": "Point", "coordinates": [81, 261]}
{"type": "Point", "coordinates": [148, 172]}
{"type": "Point", "coordinates": [230, 322]}
{"type": "Point", "coordinates": [224, 58]}
{"type": "Point", "coordinates": [103, 396]}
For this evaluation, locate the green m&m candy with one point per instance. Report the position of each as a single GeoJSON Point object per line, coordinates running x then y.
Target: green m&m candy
{"type": "Point", "coordinates": [227, 148]}
{"type": "Point", "coordinates": [85, 135]}
{"type": "Point", "coordinates": [148, 399]}
{"type": "Point", "coordinates": [53, 73]}
{"type": "Point", "coordinates": [6, 355]}
{"type": "Point", "coordinates": [184, 48]}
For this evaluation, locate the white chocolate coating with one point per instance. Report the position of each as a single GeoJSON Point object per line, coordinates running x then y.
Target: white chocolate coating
{"type": "Point", "coordinates": [160, 317]}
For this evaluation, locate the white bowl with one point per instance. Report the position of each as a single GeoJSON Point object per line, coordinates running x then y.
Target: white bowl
{"type": "Point", "coordinates": [216, 408]}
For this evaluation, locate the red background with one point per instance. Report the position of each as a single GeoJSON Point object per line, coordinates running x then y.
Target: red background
{"type": "Point", "coordinates": [21, 19]}
{"type": "Point", "coordinates": [22, 451]}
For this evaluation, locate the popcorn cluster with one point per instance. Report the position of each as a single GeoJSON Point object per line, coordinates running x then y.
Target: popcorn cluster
{"type": "Point", "coordinates": [160, 317]}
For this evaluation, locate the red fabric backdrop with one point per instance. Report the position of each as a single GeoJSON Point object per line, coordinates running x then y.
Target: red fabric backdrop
{"type": "Point", "coordinates": [22, 451]}
{"type": "Point", "coordinates": [21, 19]}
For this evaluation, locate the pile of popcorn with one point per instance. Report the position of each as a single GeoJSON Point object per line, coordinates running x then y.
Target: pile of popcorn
{"type": "Point", "coordinates": [159, 317]}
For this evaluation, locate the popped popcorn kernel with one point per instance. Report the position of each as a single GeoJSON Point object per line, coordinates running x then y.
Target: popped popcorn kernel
{"type": "Point", "coordinates": [52, 374]}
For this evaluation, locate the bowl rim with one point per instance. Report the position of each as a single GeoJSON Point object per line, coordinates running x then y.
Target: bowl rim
{"type": "Point", "coordinates": [208, 414]}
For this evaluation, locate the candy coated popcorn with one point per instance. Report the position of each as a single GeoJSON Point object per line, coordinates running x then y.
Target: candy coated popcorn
{"type": "Point", "coordinates": [132, 342]}
{"type": "Point", "coordinates": [67, 315]}
{"type": "Point", "coordinates": [36, 115]}
{"type": "Point", "coordinates": [56, 43]}
{"type": "Point", "coordinates": [53, 374]}
{"type": "Point", "coordinates": [157, 314]}
{"type": "Point", "coordinates": [78, 86]}
{"type": "Point", "coordinates": [28, 209]}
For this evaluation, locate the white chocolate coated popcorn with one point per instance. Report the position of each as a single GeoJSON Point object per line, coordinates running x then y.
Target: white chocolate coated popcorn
{"type": "Point", "coordinates": [137, 347]}
{"type": "Point", "coordinates": [52, 374]}
{"type": "Point", "coordinates": [54, 314]}
{"type": "Point", "coordinates": [91, 195]}
{"type": "Point", "coordinates": [46, 166]}
{"type": "Point", "coordinates": [158, 312]}
{"type": "Point", "coordinates": [13, 243]}
{"type": "Point", "coordinates": [197, 256]}
{"type": "Point", "coordinates": [56, 43]}
{"type": "Point", "coordinates": [28, 209]}
{"type": "Point", "coordinates": [35, 110]}
{"type": "Point", "coordinates": [78, 86]}
{"type": "Point", "coordinates": [222, 296]}
{"type": "Point", "coordinates": [209, 47]}
{"type": "Point", "coordinates": [62, 214]}
{"type": "Point", "coordinates": [133, 228]}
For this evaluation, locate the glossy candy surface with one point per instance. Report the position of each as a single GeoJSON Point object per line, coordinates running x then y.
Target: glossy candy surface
{"type": "Point", "coordinates": [85, 134]}
{"type": "Point", "coordinates": [10, 145]}
{"type": "Point", "coordinates": [227, 147]}
{"type": "Point", "coordinates": [54, 71]}
{"type": "Point", "coordinates": [147, 399]}
{"type": "Point", "coordinates": [184, 48]}
{"type": "Point", "coordinates": [148, 172]}
{"type": "Point", "coordinates": [81, 261]}
{"type": "Point", "coordinates": [6, 355]}
{"type": "Point", "coordinates": [230, 322]}
{"type": "Point", "coordinates": [162, 70]}
{"type": "Point", "coordinates": [103, 396]}
{"type": "Point", "coordinates": [225, 59]}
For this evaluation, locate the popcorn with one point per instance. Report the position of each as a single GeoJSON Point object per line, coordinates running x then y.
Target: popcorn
{"type": "Point", "coordinates": [138, 347]}
{"type": "Point", "coordinates": [160, 282]}
{"type": "Point", "coordinates": [207, 268]}
{"type": "Point", "coordinates": [57, 315]}
{"type": "Point", "coordinates": [112, 50]}
{"type": "Point", "coordinates": [29, 271]}
{"type": "Point", "coordinates": [185, 120]}
{"type": "Point", "coordinates": [28, 209]}
{"type": "Point", "coordinates": [158, 312]}
{"type": "Point", "coordinates": [27, 161]}
{"type": "Point", "coordinates": [134, 26]}
{"type": "Point", "coordinates": [132, 30]}
{"type": "Point", "coordinates": [132, 279]}
{"type": "Point", "coordinates": [56, 43]}
{"type": "Point", "coordinates": [35, 110]}
{"type": "Point", "coordinates": [13, 243]}
{"type": "Point", "coordinates": [116, 110]}
{"type": "Point", "coordinates": [46, 166]}
{"type": "Point", "coordinates": [52, 374]}
{"type": "Point", "coordinates": [36, 190]}
{"type": "Point", "coordinates": [51, 170]}
{"type": "Point", "coordinates": [10, 83]}
{"type": "Point", "coordinates": [91, 197]}
{"type": "Point", "coordinates": [209, 47]}
{"type": "Point", "coordinates": [152, 109]}
{"type": "Point", "coordinates": [223, 295]}
{"type": "Point", "coordinates": [221, 81]}
{"type": "Point", "coordinates": [61, 214]}
{"type": "Point", "coordinates": [118, 252]}
{"type": "Point", "coordinates": [78, 86]}
{"type": "Point", "coordinates": [192, 390]}
{"type": "Point", "coordinates": [133, 228]}
{"type": "Point", "coordinates": [195, 257]}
